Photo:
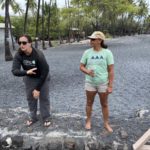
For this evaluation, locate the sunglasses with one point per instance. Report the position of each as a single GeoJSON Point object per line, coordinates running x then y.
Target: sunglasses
{"type": "Point", "coordinates": [93, 39]}
{"type": "Point", "coordinates": [22, 42]}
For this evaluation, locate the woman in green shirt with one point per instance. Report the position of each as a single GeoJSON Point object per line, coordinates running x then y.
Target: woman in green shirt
{"type": "Point", "coordinates": [98, 65]}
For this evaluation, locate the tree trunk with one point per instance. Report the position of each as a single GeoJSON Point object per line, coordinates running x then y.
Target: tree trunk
{"type": "Point", "coordinates": [49, 15]}
{"type": "Point", "coordinates": [8, 55]}
{"type": "Point", "coordinates": [43, 42]}
{"type": "Point", "coordinates": [11, 34]}
{"type": "Point", "coordinates": [37, 26]}
{"type": "Point", "coordinates": [69, 24]}
{"type": "Point", "coordinates": [78, 23]}
{"type": "Point", "coordinates": [26, 16]}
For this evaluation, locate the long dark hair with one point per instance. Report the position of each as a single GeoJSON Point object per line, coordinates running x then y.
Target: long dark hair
{"type": "Point", "coordinates": [103, 45]}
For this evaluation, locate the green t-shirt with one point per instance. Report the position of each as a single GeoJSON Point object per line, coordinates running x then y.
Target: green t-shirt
{"type": "Point", "coordinates": [97, 61]}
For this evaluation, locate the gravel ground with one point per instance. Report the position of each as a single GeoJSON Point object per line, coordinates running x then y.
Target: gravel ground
{"type": "Point", "coordinates": [131, 94]}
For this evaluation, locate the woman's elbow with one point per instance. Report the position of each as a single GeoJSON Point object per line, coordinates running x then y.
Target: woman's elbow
{"type": "Point", "coordinates": [81, 68]}
{"type": "Point", "coordinates": [15, 72]}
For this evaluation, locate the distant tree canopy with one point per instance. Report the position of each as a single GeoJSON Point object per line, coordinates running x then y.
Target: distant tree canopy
{"type": "Point", "coordinates": [117, 17]}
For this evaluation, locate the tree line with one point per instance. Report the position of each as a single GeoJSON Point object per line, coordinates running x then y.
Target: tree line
{"type": "Point", "coordinates": [44, 20]}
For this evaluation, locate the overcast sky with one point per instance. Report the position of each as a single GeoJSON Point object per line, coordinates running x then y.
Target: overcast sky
{"type": "Point", "coordinates": [60, 3]}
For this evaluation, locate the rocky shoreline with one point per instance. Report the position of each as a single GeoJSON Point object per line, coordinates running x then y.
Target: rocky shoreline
{"type": "Point", "coordinates": [67, 132]}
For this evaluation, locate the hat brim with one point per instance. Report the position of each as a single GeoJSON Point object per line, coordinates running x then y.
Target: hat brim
{"type": "Point", "coordinates": [92, 37]}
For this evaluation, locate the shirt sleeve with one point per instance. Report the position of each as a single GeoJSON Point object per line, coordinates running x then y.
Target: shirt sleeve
{"type": "Point", "coordinates": [44, 69]}
{"type": "Point", "coordinates": [16, 66]}
{"type": "Point", "coordinates": [110, 58]}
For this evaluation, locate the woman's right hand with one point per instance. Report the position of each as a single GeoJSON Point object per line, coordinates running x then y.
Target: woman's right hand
{"type": "Point", "coordinates": [31, 71]}
{"type": "Point", "coordinates": [90, 73]}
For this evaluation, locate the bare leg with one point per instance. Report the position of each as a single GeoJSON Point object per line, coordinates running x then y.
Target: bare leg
{"type": "Point", "coordinates": [105, 110]}
{"type": "Point", "coordinates": [90, 99]}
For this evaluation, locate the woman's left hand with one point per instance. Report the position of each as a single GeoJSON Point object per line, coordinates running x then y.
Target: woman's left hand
{"type": "Point", "coordinates": [36, 94]}
{"type": "Point", "coordinates": [109, 90]}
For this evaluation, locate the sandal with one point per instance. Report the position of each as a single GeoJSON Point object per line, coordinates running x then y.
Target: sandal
{"type": "Point", "coordinates": [47, 123]}
{"type": "Point", "coordinates": [30, 122]}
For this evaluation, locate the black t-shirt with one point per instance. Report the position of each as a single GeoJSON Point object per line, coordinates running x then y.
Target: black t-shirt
{"type": "Point", "coordinates": [23, 62]}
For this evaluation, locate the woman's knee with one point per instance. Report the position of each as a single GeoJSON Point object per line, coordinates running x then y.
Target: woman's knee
{"type": "Point", "coordinates": [104, 104]}
{"type": "Point", "coordinates": [89, 102]}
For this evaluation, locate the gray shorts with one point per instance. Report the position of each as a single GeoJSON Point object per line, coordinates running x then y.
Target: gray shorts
{"type": "Point", "coordinates": [99, 88]}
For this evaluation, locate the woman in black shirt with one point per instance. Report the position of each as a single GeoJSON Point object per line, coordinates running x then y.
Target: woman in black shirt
{"type": "Point", "coordinates": [32, 65]}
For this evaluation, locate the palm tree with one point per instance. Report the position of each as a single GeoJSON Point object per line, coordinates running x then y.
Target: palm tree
{"type": "Point", "coordinates": [37, 25]}
{"type": "Point", "coordinates": [15, 7]}
{"type": "Point", "coordinates": [43, 42]}
{"type": "Point", "coordinates": [68, 6]}
{"type": "Point", "coordinates": [8, 55]}
{"type": "Point", "coordinates": [12, 39]}
{"type": "Point", "coordinates": [56, 13]}
{"type": "Point", "coordinates": [49, 15]}
{"type": "Point", "coordinates": [26, 15]}
{"type": "Point", "coordinates": [78, 22]}
{"type": "Point", "coordinates": [143, 12]}
{"type": "Point", "coordinates": [31, 4]}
